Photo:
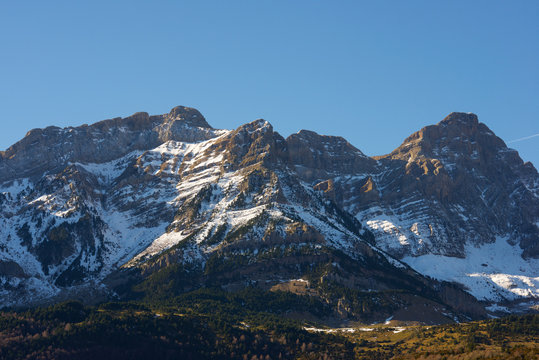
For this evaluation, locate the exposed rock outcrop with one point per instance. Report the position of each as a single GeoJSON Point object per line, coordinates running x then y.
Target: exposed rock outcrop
{"type": "Point", "coordinates": [51, 148]}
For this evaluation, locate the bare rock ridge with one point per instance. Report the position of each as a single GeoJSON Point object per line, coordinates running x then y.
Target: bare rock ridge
{"type": "Point", "coordinates": [127, 198]}
{"type": "Point", "coordinates": [53, 147]}
{"type": "Point", "coordinates": [318, 157]}
{"type": "Point", "coordinates": [459, 133]}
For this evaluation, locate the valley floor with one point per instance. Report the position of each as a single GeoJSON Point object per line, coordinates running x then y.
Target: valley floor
{"type": "Point", "coordinates": [209, 327]}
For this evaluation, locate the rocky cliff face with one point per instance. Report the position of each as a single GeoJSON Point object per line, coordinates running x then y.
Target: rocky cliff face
{"type": "Point", "coordinates": [127, 198]}
{"type": "Point", "coordinates": [51, 148]}
{"type": "Point", "coordinates": [457, 178]}
{"type": "Point", "coordinates": [448, 189]}
{"type": "Point", "coordinates": [470, 172]}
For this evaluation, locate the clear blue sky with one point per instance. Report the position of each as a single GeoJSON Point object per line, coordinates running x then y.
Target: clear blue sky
{"type": "Point", "coordinates": [371, 71]}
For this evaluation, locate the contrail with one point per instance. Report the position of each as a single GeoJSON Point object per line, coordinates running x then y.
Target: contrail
{"type": "Point", "coordinates": [524, 138]}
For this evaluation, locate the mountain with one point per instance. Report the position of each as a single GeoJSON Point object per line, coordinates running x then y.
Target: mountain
{"type": "Point", "coordinates": [156, 206]}
{"type": "Point", "coordinates": [452, 201]}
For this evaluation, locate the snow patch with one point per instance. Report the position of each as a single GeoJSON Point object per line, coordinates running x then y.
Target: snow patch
{"type": "Point", "coordinates": [485, 271]}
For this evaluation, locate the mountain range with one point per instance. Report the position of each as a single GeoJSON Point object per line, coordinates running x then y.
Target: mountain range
{"type": "Point", "coordinates": [444, 228]}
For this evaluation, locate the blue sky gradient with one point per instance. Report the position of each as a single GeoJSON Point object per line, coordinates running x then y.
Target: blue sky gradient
{"type": "Point", "coordinates": [373, 72]}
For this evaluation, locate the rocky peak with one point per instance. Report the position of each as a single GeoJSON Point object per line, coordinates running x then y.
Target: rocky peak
{"type": "Point", "coordinates": [250, 144]}
{"type": "Point", "coordinates": [460, 136]}
{"type": "Point", "coordinates": [187, 115]}
{"type": "Point", "coordinates": [101, 142]}
{"type": "Point", "coordinates": [259, 125]}
{"type": "Point", "coordinates": [460, 118]}
{"type": "Point", "coordinates": [184, 124]}
{"type": "Point", "coordinates": [333, 143]}
{"type": "Point", "coordinates": [318, 157]}
{"type": "Point", "coordinates": [464, 168]}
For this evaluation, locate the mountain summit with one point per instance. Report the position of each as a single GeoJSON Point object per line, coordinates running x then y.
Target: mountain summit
{"type": "Point", "coordinates": [146, 203]}
{"type": "Point", "coordinates": [50, 148]}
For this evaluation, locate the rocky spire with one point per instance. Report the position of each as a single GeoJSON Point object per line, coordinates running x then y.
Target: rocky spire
{"type": "Point", "coordinates": [189, 116]}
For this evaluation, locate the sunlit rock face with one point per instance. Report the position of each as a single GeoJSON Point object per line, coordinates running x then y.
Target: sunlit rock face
{"type": "Point", "coordinates": [451, 200]}
{"type": "Point", "coordinates": [447, 185]}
